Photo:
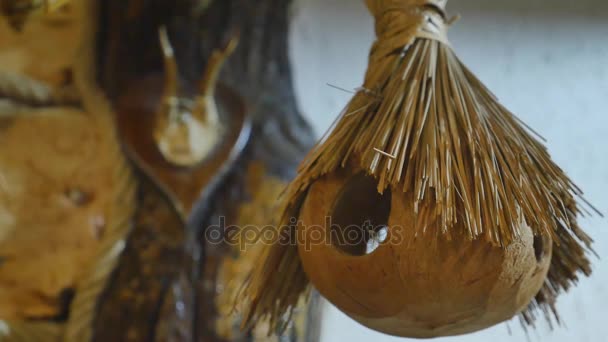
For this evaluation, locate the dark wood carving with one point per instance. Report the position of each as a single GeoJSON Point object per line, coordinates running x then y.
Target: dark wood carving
{"type": "Point", "coordinates": [159, 292]}
{"type": "Point", "coordinates": [136, 117]}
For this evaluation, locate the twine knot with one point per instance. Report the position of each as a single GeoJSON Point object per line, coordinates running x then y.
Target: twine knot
{"type": "Point", "coordinates": [400, 22]}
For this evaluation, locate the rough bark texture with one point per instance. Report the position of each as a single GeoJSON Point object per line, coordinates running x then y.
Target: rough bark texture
{"type": "Point", "coordinates": [166, 301]}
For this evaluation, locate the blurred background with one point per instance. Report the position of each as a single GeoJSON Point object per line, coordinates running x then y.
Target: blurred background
{"type": "Point", "coordinates": [547, 61]}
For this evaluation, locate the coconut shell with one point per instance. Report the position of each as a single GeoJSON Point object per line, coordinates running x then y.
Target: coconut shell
{"type": "Point", "coordinates": [421, 285]}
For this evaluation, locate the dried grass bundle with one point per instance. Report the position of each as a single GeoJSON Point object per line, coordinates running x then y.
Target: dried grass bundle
{"type": "Point", "coordinates": [424, 124]}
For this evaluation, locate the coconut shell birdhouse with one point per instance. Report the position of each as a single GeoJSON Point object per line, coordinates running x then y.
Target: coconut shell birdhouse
{"type": "Point", "coordinates": [429, 209]}
{"type": "Point", "coordinates": [375, 268]}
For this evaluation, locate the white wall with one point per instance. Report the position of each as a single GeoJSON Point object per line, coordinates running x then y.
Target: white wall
{"type": "Point", "coordinates": [546, 60]}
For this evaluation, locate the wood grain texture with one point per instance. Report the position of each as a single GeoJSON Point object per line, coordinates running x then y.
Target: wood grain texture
{"type": "Point", "coordinates": [45, 255]}
{"type": "Point", "coordinates": [136, 118]}
{"type": "Point", "coordinates": [259, 72]}
{"type": "Point", "coordinates": [146, 269]}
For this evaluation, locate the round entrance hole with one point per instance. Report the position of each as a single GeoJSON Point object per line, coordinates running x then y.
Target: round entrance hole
{"type": "Point", "coordinates": [359, 219]}
{"type": "Point", "coordinates": [541, 246]}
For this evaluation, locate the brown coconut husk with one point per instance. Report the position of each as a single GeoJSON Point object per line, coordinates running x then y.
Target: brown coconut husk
{"type": "Point", "coordinates": [423, 123]}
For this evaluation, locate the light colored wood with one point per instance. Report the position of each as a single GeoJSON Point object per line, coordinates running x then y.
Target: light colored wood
{"type": "Point", "coordinates": [418, 286]}
{"type": "Point", "coordinates": [18, 12]}
{"type": "Point", "coordinates": [55, 36]}
{"type": "Point", "coordinates": [56, 200]}
{"type": "Point", "coordinates": [66, 187]}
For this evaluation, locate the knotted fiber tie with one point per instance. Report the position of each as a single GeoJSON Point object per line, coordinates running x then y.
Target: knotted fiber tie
{"type": "Point", "coordinates": [421, 18]}
{"type": "Point", "coordinates": [398, 23]}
